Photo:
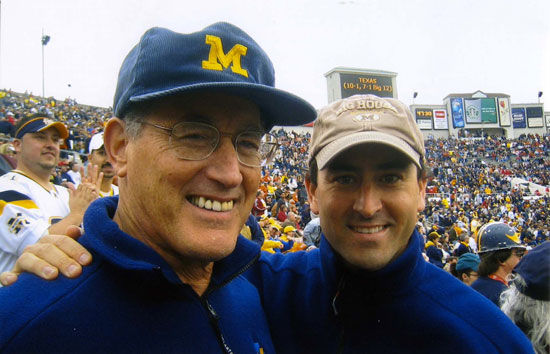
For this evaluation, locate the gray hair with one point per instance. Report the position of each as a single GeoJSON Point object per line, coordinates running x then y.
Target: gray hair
{"type": "Point", "coordinates": [529, 314]}
{"type": "Point", "coordinates": [133, 118]}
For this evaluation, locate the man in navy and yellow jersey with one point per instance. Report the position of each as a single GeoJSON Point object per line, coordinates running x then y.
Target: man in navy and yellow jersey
{"type": "Point", "coordinates": [98, 157]}
{"type": "Point", "coordinates": [30, 205]}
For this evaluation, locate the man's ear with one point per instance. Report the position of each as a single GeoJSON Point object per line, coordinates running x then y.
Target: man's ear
{"type": "Point", "coordinates": [17, 145]}
{"type": "Point", "coordinates": [311, 189]}
{"type": "Point", "coordinates": [116, 143]}
{"type": "Point", "coordinates": [422, 183]}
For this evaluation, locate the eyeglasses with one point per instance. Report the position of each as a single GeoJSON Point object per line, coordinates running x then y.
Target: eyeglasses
{"type": "Point", "coordinates": [518, 253]}
{"type": "Point", "coordinates": [196, 141]}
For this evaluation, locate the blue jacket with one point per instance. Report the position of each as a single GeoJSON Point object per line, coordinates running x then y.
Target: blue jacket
{"type": "Point", "coordinates": [315, 304]}
{"type": "Point", "coordinates": [489, 288]}
{"type": "Point", "coordinates": [130, 300]}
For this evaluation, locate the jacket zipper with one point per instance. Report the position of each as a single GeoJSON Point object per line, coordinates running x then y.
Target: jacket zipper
{"type": "Point", "coordinates": [212, 314]}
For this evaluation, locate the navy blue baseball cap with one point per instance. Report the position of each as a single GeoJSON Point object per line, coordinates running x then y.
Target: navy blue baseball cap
{"type": "Point", "coordinates": [220, 58]}
{"type": "Point", "coordinates": [534, 268]}
{"type": "Point", "coordinates": [39, 124]}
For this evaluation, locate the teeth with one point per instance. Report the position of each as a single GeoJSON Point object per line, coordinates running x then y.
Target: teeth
{"type": "Point", "coordinates": [215, 205]}
{"type": "Point", "coordinates": [368, 230]}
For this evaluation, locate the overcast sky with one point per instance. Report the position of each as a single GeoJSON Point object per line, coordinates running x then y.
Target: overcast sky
{"type": "Point", "coordinates": [436, 47]}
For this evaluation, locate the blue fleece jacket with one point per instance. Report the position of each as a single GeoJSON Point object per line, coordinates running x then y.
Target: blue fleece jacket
{"type": "Point", "coordinates": [130, 300]}
{"type": "Point", "coordinates": [315, 304]}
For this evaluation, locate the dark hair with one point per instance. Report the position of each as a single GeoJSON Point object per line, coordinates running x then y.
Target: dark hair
{"type": "Point", "coordinates": [311, 174]}
{"type": "Point", "coordinates": [490, 261]}
{"type": "Point", "coordinates": [458, 273]}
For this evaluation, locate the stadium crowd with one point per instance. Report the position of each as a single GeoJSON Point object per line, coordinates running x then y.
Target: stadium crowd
{"type": "Point", "coordinates": [471, 182]}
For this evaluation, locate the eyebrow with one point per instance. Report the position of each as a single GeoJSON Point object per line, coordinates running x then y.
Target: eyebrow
{"type": "Point", "coordinates": [397, 164]}
{"type": "Point", "coordinates": [198, 118]}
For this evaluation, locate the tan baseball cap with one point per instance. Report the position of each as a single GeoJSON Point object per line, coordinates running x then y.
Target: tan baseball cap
{"type": "Point", "coordinates": [364, 119]}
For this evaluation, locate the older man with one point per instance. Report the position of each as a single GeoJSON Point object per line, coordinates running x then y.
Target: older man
{"type": "Point", "coordinates": [187, 144]}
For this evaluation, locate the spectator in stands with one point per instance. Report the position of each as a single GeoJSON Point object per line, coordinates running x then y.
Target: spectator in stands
{"type": "Point", "coordinates": [500, 251]}
{"type": "Point", "coordinates": [463, 244]}
{"type": "Point", "coordinates": [527, 301]}
{"type": "Point", "coordinates": [259, 208]}
{"type": "Point", "coordinates": [33, 207]}
{"type": "Point", "coordinates": [75, 173]}
{"type": "Point", "coordinates": [433, 249]}
{"type": "Point", "coordinates": [466, 268]}
{"type": "Point", "coordinates": [8, 161]}
{"type": "Point", "coordinates": [312, 233]}
{"type": "Point", "coordinates": [6, 127]}
{"type": "Point", "coordinates": [252, 231]}
{"type": "Point", "coordinates": [98, 157]}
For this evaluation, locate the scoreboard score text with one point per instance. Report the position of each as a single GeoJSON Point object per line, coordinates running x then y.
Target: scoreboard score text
{"type": "Point", "coordinates": [363, 84]}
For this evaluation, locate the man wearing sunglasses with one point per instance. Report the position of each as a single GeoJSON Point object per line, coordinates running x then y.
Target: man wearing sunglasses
{"type": "Point", "coordinates": [500, 251]}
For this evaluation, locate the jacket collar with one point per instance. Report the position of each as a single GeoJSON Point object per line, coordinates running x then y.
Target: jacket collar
{"type": "Point", "coordinates": [103, 236]}
{"type": "Point", "coordinates": [406, 270]}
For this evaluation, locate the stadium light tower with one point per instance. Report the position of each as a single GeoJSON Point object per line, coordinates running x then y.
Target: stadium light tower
{"type": "Point", "coordinates": [45, 40]}
{"type": "Point", "coordinates": [540, 95]}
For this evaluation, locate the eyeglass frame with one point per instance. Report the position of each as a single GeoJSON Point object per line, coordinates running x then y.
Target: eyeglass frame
{"type": "Point", "coordinates": [220, 134]}
{"type": "Point", "coordinates": [518, 252]}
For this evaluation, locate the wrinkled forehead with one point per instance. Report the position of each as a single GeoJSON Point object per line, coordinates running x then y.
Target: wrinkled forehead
{"type": "Point", "coordinates": [218, 109]}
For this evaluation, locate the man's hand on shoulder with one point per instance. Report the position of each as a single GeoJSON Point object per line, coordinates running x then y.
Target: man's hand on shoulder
{"type": "Point", "coordinates": [49, 256]}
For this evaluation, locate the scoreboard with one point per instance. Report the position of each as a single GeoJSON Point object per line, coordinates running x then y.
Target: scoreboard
{"type": "Point", "coordinates": [354, 84]}
{"type": "Point", "coordinates": [346, 82]}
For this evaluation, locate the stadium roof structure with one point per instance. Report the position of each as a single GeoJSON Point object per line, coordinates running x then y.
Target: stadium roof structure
{"type": "Point", "coordinates": [342, 69]}
{"type": "Point", "coordinates": [477, 94]}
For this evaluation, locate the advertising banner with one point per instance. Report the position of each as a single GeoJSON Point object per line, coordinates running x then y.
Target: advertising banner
{"type": "Point", "coordinates": [472, 108]}
{"type": "Point", "coordinates": [424, 118]}
{"type": "Point", "coordinates": [534, 116]}
{"type": "Point", "coordinates": [518, 117]}
{"type": "Point", "coordinates": [440, 119]}
{"type": "Point", "coordinates": [504, 112]}
{"type": "Point", "coordinates": [488, 110]}
{"type": "Point", "coordinates": [457, 112]}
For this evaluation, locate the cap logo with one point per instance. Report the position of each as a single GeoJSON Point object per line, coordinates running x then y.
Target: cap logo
{"type": "Point", "coordinates": [368, 117]}
{"type": "Point", "coordinates": [366, 104]}
{"type": "Point", "coordinates": [514, 238]}
{"type": "Point", "coordinates": [218, 60]}
{"type": "Point", "coordinates": [48, 121]}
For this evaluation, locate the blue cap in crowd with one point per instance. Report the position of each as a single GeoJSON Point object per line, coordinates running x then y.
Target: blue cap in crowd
{"type": "Point", "coordinates": [534, 268]}
{"type": "Point", "coordinates": [220, 58]}
{"type": "Point", "coordinates": [39, 124]}
{"type": "Point", "coordinates": [468, 261]}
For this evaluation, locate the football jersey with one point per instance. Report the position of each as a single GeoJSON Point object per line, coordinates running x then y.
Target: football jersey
{"type": "Point", "coordinates": [112, 192]}
{"type": "Point", "coordinates": [27, 210]}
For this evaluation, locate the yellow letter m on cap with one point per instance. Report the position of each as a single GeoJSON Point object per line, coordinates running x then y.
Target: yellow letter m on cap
{"type": "Point", "coordinates": [216, 54]}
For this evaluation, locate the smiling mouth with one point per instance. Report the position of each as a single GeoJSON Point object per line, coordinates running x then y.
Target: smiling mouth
{"type": "Point", "coordinates": [210, 204]}
{"type": "Point", "coordinates": [368, 230]}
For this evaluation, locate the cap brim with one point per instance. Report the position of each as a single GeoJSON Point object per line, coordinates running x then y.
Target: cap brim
{"type": "Point", "coordinates": [278, 107]}
{"type": "Point", "coordinates": [61, 128]}
{"type": "Point", "coordinates": [330, 151]}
